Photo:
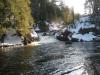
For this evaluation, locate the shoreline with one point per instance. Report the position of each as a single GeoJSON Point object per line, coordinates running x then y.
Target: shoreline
{"type": "Point", "coordinates": [6, 45]}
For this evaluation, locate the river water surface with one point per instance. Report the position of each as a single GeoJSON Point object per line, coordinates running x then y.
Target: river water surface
{"type": "Point", "coordinates": [51, 58]}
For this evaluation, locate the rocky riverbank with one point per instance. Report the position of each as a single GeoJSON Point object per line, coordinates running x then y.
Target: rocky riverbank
{"type": "Point", "coordinates": [82, 30]}
{"type": "Point", "coordinates": [12, 39]}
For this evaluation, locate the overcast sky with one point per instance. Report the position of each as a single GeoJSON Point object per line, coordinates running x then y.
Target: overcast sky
{"type": "Point", "coordinates": [78, 5]}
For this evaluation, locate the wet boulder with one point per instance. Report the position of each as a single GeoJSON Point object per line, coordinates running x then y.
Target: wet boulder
{"type": "Point", "coordinates": [29, 38]}
{"type": "Point", "coordinates": [34, 36]}
{"type": "Point", "coordinates": [61, 37]}
{"type": "Point", "coordinates": [44, 34]}
{"type": "Point", "coordinates": [64, 36]}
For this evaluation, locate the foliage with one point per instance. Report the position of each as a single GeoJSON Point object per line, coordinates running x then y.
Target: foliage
{"type": "Point", "coordinates": [2, 31]}
{"type": "Point", "coordinates": [69, 16]}
{"type": "Point", "coordinates": [16, 14]}
{"type": "Point", "coordinates": [45, 9]}
{"type": "Point", "coordinates": [49, 10]}
{"type": "Point", "coordinates": [4, 13]}
{"type": "Point", "coordinates": [43, 26]}
{"type": "Point", "coordinates": [4, 16]}
{"type": "Point", "coordinates": [21, 11]}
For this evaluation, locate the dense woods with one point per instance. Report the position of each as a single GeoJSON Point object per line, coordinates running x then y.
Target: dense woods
{"type": "Point", "coordinates": [52, 10]}
{"type": "Point", "coordinates": [45, 10]}
{"type": "Point", "coordinates": [23, 15]}
{"type": "Point", "coordinates": [19, 14]}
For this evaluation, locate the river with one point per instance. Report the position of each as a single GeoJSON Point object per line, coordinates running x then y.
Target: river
{"type": "Point", "coordinates": [51, 57]}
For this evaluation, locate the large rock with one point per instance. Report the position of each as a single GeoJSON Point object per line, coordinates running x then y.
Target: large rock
{"type": "Point", "coordinates": [64, 36]}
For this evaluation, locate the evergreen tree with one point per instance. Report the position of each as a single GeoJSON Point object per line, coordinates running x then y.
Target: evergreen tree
{"type": "Point", "coordinates": [16, 13]}
{"type": "Point", "coordinates": [21, 12]}
{"type": "Point", "coordinates": [4, 16]}
{"type": "Point", "coordinates": [68, 15]}
{"type": "Point", "coordinates": [43, 10]}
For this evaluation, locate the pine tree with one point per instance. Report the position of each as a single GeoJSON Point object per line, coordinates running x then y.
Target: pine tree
{"type": "Point", "coordinates": [68, 15]}
{"type": "Point", "coordinates": [21, 11]}
{"type": "Point", "coordinates": [4, 16]}
{"type": "Point", "coordinates": [16, 13]}
{"type": "Point", "coordinates": [44, 10]}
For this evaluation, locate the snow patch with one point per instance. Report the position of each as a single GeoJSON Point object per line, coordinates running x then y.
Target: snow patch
{"type": "Point", "coordinates": [12, 39]}
{"type": "Point", "coordinates": [85, 37]}
{"type": "Point", "coordinates": [81, 24]}
{"type": "Point", "coordinates": [34, 34]}
{"type": "Point", "coordinates": [46, 39]}
{"type": "Point", "coordinates": [37, 28]}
